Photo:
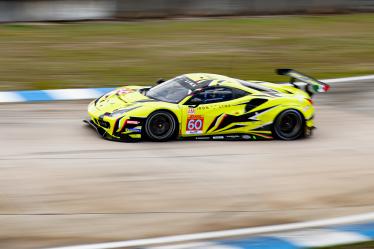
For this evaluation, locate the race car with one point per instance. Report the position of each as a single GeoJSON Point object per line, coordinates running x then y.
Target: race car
{"type": "Point", "coordinates": [208, 106]}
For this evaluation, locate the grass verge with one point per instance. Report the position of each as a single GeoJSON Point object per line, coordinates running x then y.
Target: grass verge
{"type": "Point", "coordinates": [365, 245]}
{"type": "Point", "coordinates": [43, 56]}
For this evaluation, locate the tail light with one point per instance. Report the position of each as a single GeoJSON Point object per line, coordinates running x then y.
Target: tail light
{"type": "Point", "coordinates": [310, 101]}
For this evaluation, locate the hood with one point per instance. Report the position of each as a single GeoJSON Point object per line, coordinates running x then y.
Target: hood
{"type": "Point", "coordinates": [120, 98]}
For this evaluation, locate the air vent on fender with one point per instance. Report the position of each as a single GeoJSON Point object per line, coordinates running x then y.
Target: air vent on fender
{"type": "Point", "coordinates": [253, 103]}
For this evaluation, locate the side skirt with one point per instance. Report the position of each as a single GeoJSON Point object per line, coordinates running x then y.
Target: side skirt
{"type": "Point", "coordinates": [231, 137]}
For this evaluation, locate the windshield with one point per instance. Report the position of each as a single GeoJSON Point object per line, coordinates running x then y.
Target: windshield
{"type": "Point", "coordinates": [173, 90]}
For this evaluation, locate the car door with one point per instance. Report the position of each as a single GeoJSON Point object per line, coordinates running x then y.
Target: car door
{"type": "Point", "coordinates": [213, 110]}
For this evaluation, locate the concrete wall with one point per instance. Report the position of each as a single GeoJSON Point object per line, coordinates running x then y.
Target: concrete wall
{"type": "Point", "coordinates": [162, 8]}
{"type": "Point", "coordinates": [48, 10]}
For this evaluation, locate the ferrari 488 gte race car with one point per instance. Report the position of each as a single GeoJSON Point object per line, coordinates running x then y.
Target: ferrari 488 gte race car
{"type": "Point", "coordinates": [208, 106]}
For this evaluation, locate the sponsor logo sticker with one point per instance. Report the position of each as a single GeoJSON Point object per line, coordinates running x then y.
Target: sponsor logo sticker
{"type": "Point", "coordinates": [218, 137]}
{"type": "Point", "coordinates": [138, 130]}
{"type": "Point", "coordinates": [124, 91]}
{"type": "Point", "coordinates": [191, 111]}
{"type": "Point", "coordinates": [232, 136]}
{"type": "Point", "coordinates": [202, 138]}
{"type": "Point", "coordinates": [132, 122]}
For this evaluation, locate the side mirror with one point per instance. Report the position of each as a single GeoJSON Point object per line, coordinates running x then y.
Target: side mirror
{"type": "Point", "coordinates": [195, 101]}
{"type": "Point", "coordinates": [158, 82]}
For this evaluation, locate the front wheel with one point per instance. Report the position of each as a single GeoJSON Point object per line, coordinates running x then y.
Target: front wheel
{"type": "Point", "coordinates": [289, 125]}
{"type": "Point", "coordinates": [160, 126]}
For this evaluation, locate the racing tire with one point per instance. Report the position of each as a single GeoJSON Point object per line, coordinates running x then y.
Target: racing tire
{"type": "Point", "coordinates": [289, 125]}
{"type": "Point", "coordinates": [160, 126]}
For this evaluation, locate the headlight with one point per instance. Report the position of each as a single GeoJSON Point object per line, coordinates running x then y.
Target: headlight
{"type": "Point", "coordinates": [120, 112]}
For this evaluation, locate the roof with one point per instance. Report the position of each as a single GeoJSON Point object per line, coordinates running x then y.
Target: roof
{"type": "Point", "coordinates": [208, 79]}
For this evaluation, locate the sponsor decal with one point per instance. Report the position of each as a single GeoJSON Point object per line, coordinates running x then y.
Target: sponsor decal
{"type": "Point", "coordinates": [132, 122]}
{"type": "Point", "coordinates": [124, 91]}
{"type": "Point", "coordinates": [232, 136]}
{"type": "Point", "coordinates": [193, 132]}
{"type": "Point", "coordinates": [202, 138]}
{"type": "Point", "coordinates": [191, 111]}
{"type": "Point", "coordinates": [218, 137]}
{"type": "Point", "coordinates": [190, 82]}
{"type": "Point", "coordinates": [203, 107]}
{"type": "Point", "coordinates": [195, 124]}
{"type": "Point", "coordinates": [223, 106]}
{"type": "Point", "coordinates": [136, 129]}
{"type": "Point", "coordinates": [246, 137]}
{"type": "Point", "coordinates": [184, 80]}
{"type": "Point", "coordinates": [123, 122]}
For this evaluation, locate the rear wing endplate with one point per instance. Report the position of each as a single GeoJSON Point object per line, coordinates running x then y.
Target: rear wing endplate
{"type": "Point", "coordinates": [312, 85]}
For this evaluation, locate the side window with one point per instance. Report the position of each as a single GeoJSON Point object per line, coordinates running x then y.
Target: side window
{"type": "Point", "coordinates": [239, 93]}
{"type": "Point", "coordinates": [217, 94]}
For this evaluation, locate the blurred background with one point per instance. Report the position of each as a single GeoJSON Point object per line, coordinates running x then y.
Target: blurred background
{"type": "Point", "coordinates": [120, 42]}
{"type": "Point", "coordinates": [60, 184]}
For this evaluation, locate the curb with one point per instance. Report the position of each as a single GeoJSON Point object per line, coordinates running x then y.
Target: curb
{"type": "Point", "coordinates": [52, 95]}
{"type": "Point", "coordinates": [309, 234]}
{"type": "Point", "coordinates": [310, 238]}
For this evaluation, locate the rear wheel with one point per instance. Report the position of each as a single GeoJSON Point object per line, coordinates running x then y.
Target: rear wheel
{"type": "Point", "coordinates": [289, 125]}
{"type": "Point", "coordinates": [160, 126]}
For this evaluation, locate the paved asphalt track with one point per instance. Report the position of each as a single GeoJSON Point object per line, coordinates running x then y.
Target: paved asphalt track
{"type": "Point", "coordinates": [60, 184]}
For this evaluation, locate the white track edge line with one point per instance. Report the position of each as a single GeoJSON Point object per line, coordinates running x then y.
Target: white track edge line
{"type": "Point", "coordinates": [339, 80]}
{"type": "Point", "coordinates": [228, 233]}
{"type": "Point", "coordinates": [347, 79]}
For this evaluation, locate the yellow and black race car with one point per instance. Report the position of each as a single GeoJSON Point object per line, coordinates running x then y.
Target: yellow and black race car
{"type": "Point", "coordinates": [208, 106]}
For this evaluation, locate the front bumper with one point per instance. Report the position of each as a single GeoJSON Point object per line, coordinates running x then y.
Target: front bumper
{"type": "Point", "coordinates": [100, 131]}
{"type": "Point", "coordinates": [119, 128]}
{"type": "Point", "coordinates": [130, 137]}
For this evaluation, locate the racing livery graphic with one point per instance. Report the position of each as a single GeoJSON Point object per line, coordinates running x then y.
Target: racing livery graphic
{"type": "Point", "coordinates": [208, 107]}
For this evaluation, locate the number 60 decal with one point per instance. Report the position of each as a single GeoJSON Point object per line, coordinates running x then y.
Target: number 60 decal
{"type": "Point", "coordinates": [195, 124]}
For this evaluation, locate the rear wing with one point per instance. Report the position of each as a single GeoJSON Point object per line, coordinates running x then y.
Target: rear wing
{"type": "Point", "coordinates": [312, 85]}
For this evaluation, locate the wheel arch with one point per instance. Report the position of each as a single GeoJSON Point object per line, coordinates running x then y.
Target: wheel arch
{"type": "Point", "coordinates": [291, 107]}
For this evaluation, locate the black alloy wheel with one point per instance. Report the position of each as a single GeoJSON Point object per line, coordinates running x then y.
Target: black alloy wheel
{"type": "Point", "coordinates": [160, 126]}
{"type": "Point", "coordinates": [289, 125]}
